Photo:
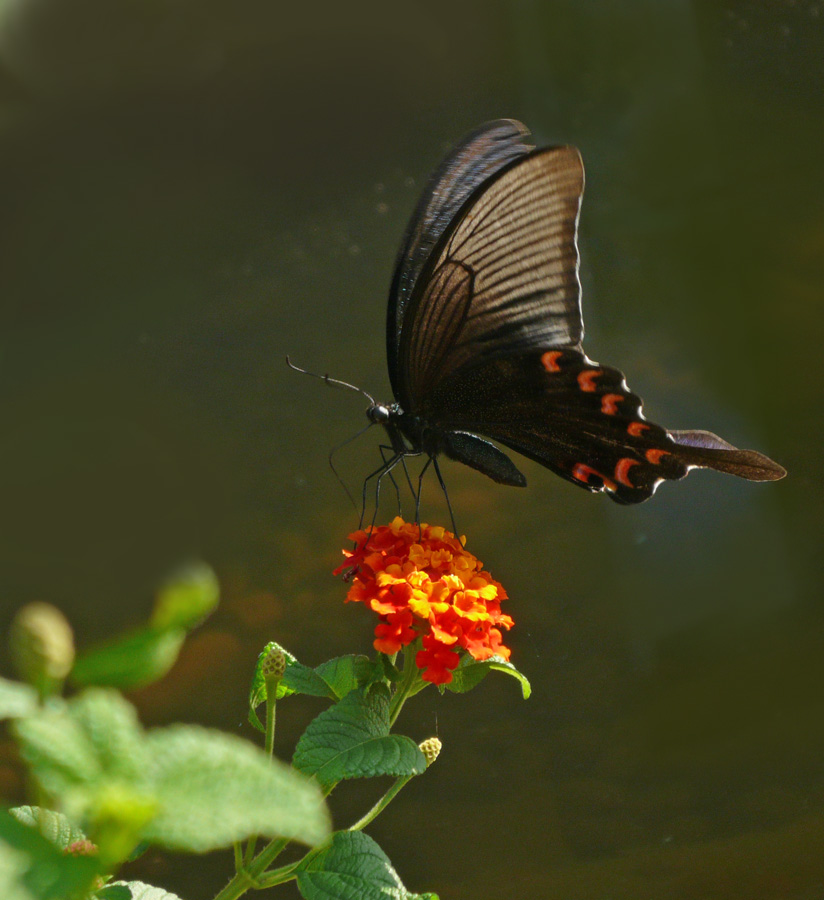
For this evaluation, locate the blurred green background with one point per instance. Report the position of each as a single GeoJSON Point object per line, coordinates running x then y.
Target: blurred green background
{"type": "Point", "coordinates": [190, 190]}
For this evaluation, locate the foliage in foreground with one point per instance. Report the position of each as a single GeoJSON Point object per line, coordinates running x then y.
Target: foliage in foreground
{"type": "Point", "coordinates": [104, 788]}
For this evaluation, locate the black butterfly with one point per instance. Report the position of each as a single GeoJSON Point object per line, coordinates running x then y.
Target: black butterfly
{"type": "Point", "coordinates": [484, 335]}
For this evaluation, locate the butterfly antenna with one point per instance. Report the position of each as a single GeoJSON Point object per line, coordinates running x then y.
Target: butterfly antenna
{"type": "Point", "coordinates": [332, 382]}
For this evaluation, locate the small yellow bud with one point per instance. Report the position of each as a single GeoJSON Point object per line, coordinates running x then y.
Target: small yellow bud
{"type": "Point", "coordinates": [42, 644]}
{"type": "Point", "coordinates": [430, 748]}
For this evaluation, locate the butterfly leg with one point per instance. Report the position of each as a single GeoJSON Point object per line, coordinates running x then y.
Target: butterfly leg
{"type": "Point", "coordinates": [420, 490]}
{"type": "Point", "coordinates": [384, 448]}
{"type": "Point", "coordinates": [378, 475]}
{"type": "Point", "coordinates": [446, 495]}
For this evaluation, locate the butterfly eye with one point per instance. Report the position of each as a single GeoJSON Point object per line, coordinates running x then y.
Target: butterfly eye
{"type": "Point", "coordinates": [378, 413]}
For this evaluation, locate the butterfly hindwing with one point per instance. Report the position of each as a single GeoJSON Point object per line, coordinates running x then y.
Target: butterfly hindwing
{"type": "Point", "coordinates": [580, 419]}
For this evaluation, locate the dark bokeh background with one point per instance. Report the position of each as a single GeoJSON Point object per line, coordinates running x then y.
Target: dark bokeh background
{"type": "Point", "coordinates": [190, 190]}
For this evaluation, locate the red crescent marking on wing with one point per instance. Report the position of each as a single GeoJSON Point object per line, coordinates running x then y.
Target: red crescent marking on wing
{"type": "Point", "coordinates": [655, 456]}
{"type": "Point", "coordinates": [636, 429]}
{"type": "Point", "coordinates": [586, 380]}
{"type": "Point", "coordinates": [622, 470]}
{"type": "Point", "coordinates": [582, 472]}
{"type": "Point", "coordinates": [609, 403]}
{"type": "Point", "coordinates": [550, 360]}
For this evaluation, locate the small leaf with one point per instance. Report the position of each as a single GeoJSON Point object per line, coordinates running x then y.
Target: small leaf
{"type": "Point", "coordinates": [133, 890]}
{"type": "Point", "coordinates": [470, 673]}
{"type": "Point", "coordinates": [352, 866]}
{"type": "Point", "coordinates": [16, 699]}
{"type": "Point", "coordinates": [130, 661]}
{"type": "Point", "coordinates": [186, 599]}
{"type": "Point", "coordinates": [352, 740]}
{"type": "Point", "coordinates": [345, 673]}
{"type": "Point", "coordinates": [54, 826]}
{"type": "Point", "coordinates": [216, 788]}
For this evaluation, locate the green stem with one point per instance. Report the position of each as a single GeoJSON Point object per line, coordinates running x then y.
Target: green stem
{"type": "Point", "coordinates": [381, 805]}
{"type": "Point", "coordinates": [250, 875]}
{"type": "Point", "coordinates": [410, 684]}
{"type": "Point", "coordinates": [269, 744]}
{"type": "Point", "coordinates": [271, 708]}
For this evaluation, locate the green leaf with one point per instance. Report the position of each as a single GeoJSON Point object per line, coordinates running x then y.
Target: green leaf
{"type": "Point", "coordinates": [352, 740]}
{"type": "Point", "coordinates": [16, 699]}
{"type": "Point", "coordinates": [90, 755]}
{"type": "Point", "coordinates": [470, 673]}
{"type": "Point", "coordinates": [54, 826]}
{"type": "Point", "coordinates": [186, 599]}
{"type": "Point", "coordinates": [58, 751]}
{"type": "Point", "coordinates": [133, 890]}
{"type": "Point", "coordinates": [36, 868]}
{"type": "Point", "coordinates": [352, 866]}
{"type": "Point", "coordinates": [216, 788]}
{"type": "Point", "coordinates": [345, 673]}
{"type": "Point", "coordinates": [132, 660]}
{"type": "Point", "coordinates": [332, 679]}
{"type": "Point", "coordinates": [111, 725]}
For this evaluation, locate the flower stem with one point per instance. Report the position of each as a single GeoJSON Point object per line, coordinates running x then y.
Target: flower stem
{"type": "Point", "coordinates": [410, 684]}
{"type": "Point", "coordinates": [381, 805]}
{"type": "Point", "coordinates": [250, 875]}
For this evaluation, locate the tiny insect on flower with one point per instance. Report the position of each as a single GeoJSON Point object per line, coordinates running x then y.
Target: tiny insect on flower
{"type": "Point", "coordinates": [423, 583]}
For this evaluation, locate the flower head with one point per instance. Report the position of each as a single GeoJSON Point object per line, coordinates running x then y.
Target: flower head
{"type": "Point", "coordinates": [422, 583]}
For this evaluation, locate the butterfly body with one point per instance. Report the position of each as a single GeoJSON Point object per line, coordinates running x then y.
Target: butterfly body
{"type": "Point", "coordinates": [484, 334]}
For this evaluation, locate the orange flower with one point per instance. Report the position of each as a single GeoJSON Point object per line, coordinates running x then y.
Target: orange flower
{"type": "Point", "coordinates": [422, 583]}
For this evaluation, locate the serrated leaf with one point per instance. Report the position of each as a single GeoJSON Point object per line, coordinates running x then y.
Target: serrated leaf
{"type": "Point", "coordinates": [57, 750]}
{"type": "Point", "coordinates": [353, 866]}
{"type": "Point", "coordinates": [186, 599]}
{"type": "Point", "coordinates": [352, 740]}
{"type": "Point", "coordinates": [39, 867]}
{"type": "Point", "coordinates": [470, 673]}
{"type": "Point", "coordinates": [54, 826]}
{"type": "Point", "coordinates": [16, 699]}
{"type": "Point", "coordinates": [216, 788]}
{"type": "Point", "coordinates": [133, 890]}
{"type": "Point", "coordinates": [111, 725]}
{"type": "Point", "coordinates": [130, 661]}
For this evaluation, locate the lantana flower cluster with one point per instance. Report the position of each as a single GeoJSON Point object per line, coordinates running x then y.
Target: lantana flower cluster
{"type": "Point", "coordinates": [423, 584]}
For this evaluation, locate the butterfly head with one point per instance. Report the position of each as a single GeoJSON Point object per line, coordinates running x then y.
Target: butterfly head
{"type": "Point", "coordinates": [381, 413]}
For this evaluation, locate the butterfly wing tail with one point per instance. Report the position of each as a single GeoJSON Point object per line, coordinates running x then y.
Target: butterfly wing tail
{"type": "Point", "coordinates": [707, 450]}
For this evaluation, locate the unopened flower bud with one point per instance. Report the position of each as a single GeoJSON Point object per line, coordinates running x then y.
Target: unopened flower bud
{"type": "Point", "coordinates": [83, 847]}
{"type": "Point", "coordinates": [430, 748]}
{"type": "Point", "coordinates": [42, 644]}
{"type": "Point", "coordinates": [274, 664]}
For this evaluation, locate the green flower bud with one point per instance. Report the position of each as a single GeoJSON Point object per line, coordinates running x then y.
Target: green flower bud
{"type": "Point", "coordinates": [42, 645]}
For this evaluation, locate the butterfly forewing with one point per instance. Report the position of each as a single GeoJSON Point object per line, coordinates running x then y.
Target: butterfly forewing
{"type": "Point", "coordinates": [503, 279]}
{"type": "Point", "coordinates": [483, 153]}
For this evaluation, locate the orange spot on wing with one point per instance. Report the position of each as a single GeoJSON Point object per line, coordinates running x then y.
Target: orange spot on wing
{"type": "Point", "coordinates": [550, 360]}
{"type": "Point", "coordinates": [582, 472]}
{"type": "Point", "coordinates": [622, 470]}
{"type": "Point", "coordinates": [609, 403]}
{"type": "Point", "coordinates": [586, 379]}
{"type": "Point", "coordinates": [655, 456]}
{"type": "Point", "coordinates": [636, 429]}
